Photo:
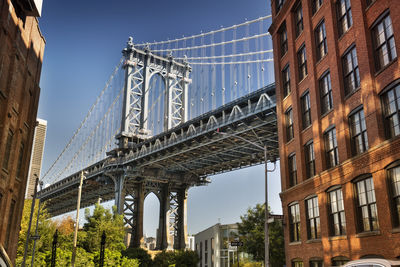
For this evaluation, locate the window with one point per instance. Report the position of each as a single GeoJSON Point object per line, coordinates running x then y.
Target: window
{"type": "Point", "coordinates": [310, 159]}
{"type": "Point", "coordinates": [313, 224]}
{"type": "Point", "coordinates": [294, 222]}
{"type": "Point", "coordinates": [391, 111]}
{"type": "Point", "coordinates": [316, 262]}
{"type": "Point", "coordinates": [394, 177]}
{"type": "Point", "coordinates": [339, 261]}
{"type": "Point", "coordinates": [306, 110]}
{"type": "Point", "coordinates": [358, 132]}
{"type": "Point", "coordinates": [351, 74]}
{"type": "Point", "coordinates": [316, 4]}
{"type": "Point", "coordinates": [9, 224]}
{"type": "Point", "coordinates": [283, 40]}
{"type": "Point", "coordinates": [320, 40]}
{"type": "Point", "coordinates": [366, 205]}
{"type": "Point", "coordinates": [385, 48]}
{"type": "Point", "coordinates": [369, 2]}
{"type": "Point", "coordinates": [298, 18]}
{"type": "Point", "coordinates": [7, 151]}
{"type": "Point", "coordinates": [279, 5]}
{"type": "Point", "coordinates": [289, 124]}
{"type": "Point", "coordinates": [292, 169]}
{"type": "Point", "coordinates": [297, 263]}
{"type": "Point", "coordinates": [20, 157]}
{"type": "Point", "coordinates": [331, 148]}
{"type": "Point", "coordinates": [325, 90]}
{"type": "Point", "coordinates": [302, 62]}
{"type": "Point", "coordinates": [337, 217]}
{"type": "Point", "coordinates": [286, 81]}
{"type": "Point", "coordinates": [345, 19]}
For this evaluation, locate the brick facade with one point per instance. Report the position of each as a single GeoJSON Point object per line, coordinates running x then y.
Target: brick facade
{"type": "Point", "coordinates": [21, 55]}
{"type": "Point", "coordinates": [382, 151]}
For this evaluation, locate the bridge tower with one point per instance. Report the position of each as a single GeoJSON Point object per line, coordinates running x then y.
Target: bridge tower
{"type": "Point", "coordinates": [130, 188]}
{"type": "Point", "coordinates": [140, 67]}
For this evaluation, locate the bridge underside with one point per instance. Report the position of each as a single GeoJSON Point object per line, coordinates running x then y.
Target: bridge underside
{"type": "Point", "coordinates": [171, 162]}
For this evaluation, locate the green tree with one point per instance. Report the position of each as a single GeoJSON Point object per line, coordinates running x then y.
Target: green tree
{"type": "Point", "coordinates": [46, 229]}
{"type": "Point", "coordinates": [140, 254]}
{"type": "Point", "coordinates": [186, 258]}
{"type": "Point", "coordinates": [164, 259]}
{"type": "Point", "coordinates": [104, 220]}
{"type": "Point", "coordinates": [251, 231]}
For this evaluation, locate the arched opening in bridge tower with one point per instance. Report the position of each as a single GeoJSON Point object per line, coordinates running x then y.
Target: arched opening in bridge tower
{"type": "Point", "coordinates": [156, 107]}
{"type": "Point", "coordinates": [151, 214]}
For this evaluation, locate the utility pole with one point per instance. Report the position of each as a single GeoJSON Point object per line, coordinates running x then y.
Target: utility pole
{"type": "Point", "coordinates": [266, 228]}
{"type": "Point", "coordinates": [78, 206]}
{"type": "Point", "coordinates": [28, 234]}
{"type": "Point", "coordinates": [36, 236]}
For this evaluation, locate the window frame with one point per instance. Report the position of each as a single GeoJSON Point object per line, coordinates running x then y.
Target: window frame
{"type": "Point", "coordinates": [347, 16]}
{"type": "Point", "coordinates": [376, 47]}
{"type": "Point", "coordinates": [294, 222]}
{"type": "Point", "coordinates": [338, 214]}
{"type": "Point", "coordinates": [298, 19]}
{"type": "Point", "coordinates": [363, 135]}
{"type": "Point", "coordinates": [302, 62]}
{"type": "Point", "coordinates": [394, 196]}
{"type": "Point", "coordinates": [313, 219]}
{"type": "Point", "coordinates": [325, 78]}
{"type": "Point", "coordinates": [390, 128]}
{"type": "Point", "coordinates": [286, 83]}
{"type": "Point", "coordinates": [305, 109]}
{"type": "Point", "coordinates": [359, 207]}
{"type": "Point", "coordinates": [283, 39]}
{"type": "Point", "coordinates": [316, 5]}
{"type": "Point", "coordinates": [278, 5]}
{"type": "Point", "coordinates": [8, 150]}
{"type": "Point", "coordinates": [329, 133]}
{"type": "Point", "coordinates": [310, 161]}
{"type": "Point", "coordinates": [320, 43]}
{"type": "Point", "coordinates": [289, 124]}
{"type": "Point", "coordinates": [354, 73]}
{"type": "Point", "coordinates": [292, 168]}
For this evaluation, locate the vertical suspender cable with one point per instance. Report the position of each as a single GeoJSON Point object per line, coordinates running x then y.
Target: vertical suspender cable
{"type": "Point", "coordinates": [223, 68]}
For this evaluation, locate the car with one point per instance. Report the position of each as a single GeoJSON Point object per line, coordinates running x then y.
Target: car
{"type": "Point", "coordinates": [374, 262]}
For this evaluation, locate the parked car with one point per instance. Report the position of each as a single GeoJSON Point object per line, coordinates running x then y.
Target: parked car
{"type": "Point", "coordinates": [373, 263]}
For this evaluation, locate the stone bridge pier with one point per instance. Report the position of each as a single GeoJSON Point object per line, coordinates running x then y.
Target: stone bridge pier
{"type": "Point", "coordinates": [130, 194]}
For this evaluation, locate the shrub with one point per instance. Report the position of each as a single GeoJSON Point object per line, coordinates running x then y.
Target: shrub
{"type": "Point", "coordinates": [140, 254]}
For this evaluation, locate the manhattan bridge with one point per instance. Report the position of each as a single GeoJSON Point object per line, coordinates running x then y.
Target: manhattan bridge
{"type": "Point", "coordinates": [171, 114]}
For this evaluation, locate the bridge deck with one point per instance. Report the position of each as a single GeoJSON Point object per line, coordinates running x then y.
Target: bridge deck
{"type": "Point", "coordinates": [216, 142]}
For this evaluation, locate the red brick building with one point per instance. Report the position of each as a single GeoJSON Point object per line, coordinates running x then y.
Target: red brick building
{"type": "Point", "coordinates": [21, 55]}
{"type": "Point", "coordinates": [338, 89]}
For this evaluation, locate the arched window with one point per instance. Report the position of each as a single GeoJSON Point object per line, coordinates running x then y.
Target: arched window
{"type": "Point", "coordinates": [297, 262]}
{"type": "Point", "coordinates": [393, 173]}
{"type": "Point", "coordinates": [367, 214]}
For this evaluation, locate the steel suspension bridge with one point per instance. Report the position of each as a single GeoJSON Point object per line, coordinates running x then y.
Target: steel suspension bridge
{"type": "Point", "coordinates": [171, 114]}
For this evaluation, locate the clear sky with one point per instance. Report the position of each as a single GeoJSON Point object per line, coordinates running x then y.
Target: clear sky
{"type": "Point", "coordinates": [84, 40]}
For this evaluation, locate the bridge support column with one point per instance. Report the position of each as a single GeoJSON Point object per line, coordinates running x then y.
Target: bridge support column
{"type": "Point", "coordinates": [119, 193]}
{"type": "Point", "coordinates": [137, 229]}
{"type": "Point", "coordinates": [162, 234]}
{"type": "Point", "coordinates": [181, 229]}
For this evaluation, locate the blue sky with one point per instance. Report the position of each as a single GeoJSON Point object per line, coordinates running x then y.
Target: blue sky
{"type": "Point", "coordinates": [84, 40]}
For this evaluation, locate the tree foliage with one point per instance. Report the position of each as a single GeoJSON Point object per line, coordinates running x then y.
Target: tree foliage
{"type": "Point", "coordinates": [104, 220]}
{"type": "Point", "coordinates": [251, 231]}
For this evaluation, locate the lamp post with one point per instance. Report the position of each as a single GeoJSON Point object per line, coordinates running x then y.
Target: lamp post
{"type": "Point", "coordinates": [266, 228]}
{"type": "Point", "coordinates": [36, 236]}
{"type": "Point", "coordinates": [78, 206]}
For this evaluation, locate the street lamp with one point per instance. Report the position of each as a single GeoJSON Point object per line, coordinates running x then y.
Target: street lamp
{"type": "Point", "coordinates": [78, 206]}
{"type": "Point", "coordinates": [266, 228]}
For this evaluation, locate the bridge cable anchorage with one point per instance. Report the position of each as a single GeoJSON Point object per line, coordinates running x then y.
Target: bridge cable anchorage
{"type": "Point", "coordinates": [208, 33]}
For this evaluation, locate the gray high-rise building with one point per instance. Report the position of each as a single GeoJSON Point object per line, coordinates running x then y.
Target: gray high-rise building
{"type": "Point", "coordinates": [37, 156]}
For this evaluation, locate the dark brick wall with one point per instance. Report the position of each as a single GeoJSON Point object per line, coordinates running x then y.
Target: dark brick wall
{"type": "Point", "coordinates": [386, 241]}
{"type": "Point", "coordinates": [21, 55]}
